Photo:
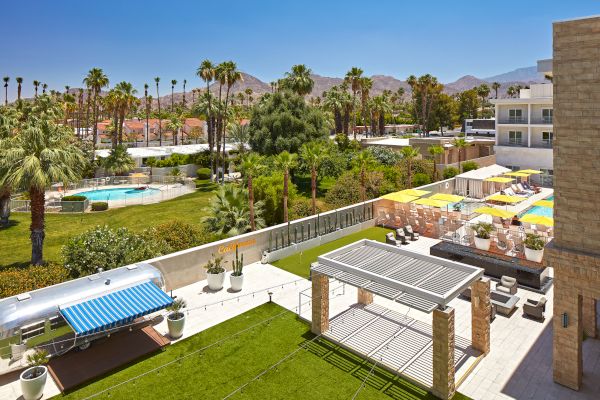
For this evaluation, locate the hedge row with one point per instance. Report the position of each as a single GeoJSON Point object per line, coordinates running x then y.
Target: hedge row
{"type": "Point", "coordinates": [99, 206]}
{"type": "Point", "coordinates": [18, 280]}
{"type": "Point", "coordinates": [74, 198]}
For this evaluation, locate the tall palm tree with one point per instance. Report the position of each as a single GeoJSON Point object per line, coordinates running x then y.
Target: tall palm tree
{"type": "Point", "coordinates": [299, 80]}
{"type": "Point", "coordinates": [44, 87]}
{"type": "Point", "coordinates": [95, 80]}
{"type": "Point", "coordinates": [184, 83]}
{"type": "Point", "coordinates": [38, 155]}
{"type": "Point", "coordinates": [483, 91]}
{"type": "Point", "coordinates": [252, 164]}
{"type": "Point", "coordinates": [312, 155]}
{"type": "Point", "coordinates": [286, 161]}
{"type": "Point", "coordinates": [19, 87]}
{"type": "Point", "coordinates": [157, 80]}
{"type": "Point", "coordinates": [36, 84]}
{"type": "Point", "coordinates": [147, 130]}
{"type": "Point", "coordinates": [248, 92]}
{"type": "Point", "coordinates": [175, 125]}
{"type": "Point", "coordinates": [409, 153]}
{"type": "Point", "coordinates": [353, 78]}
{"type": "Point", "coordinates": [511, 91]}
{"type": "Point", "coordinates": [496, 86]}
{"type": "Point", "coordinates": [435, 151]}
{"type": "Point", "coordinates": [461, 144]}
{"type": "Point", "coordinates": [127, 102]}
{"type": "Point", "coordinates": [206, 72]}
{"type": "Point", "coordinates": [9, 123]}
{"type": "Point", "coordinates": [232, 76]}
{"type": "Point", "coordinates": [6, 79]}
{"type": "Point", "coordinates": [364, 159]}
{"type": "Point", "coordinates": [333, 103]}
{"type": "Point", "coordinates": [173, 83]}
{"type": "Point", "coordinates": [366, 84]}
{"type": "Point", "coordinates": [79, 110]}
{"type": "Point", "coordinates": [229, 212]}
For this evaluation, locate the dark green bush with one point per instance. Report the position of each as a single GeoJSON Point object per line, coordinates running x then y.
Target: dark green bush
{"type": "Point", "coordinates": [177, 235]}
{"type": "Point", "coordinates": [450, 172]}
{"type": "Point", "coordinates": [100, 206]}
{"type": "Point", "coordinates": [18, 280]}
{"type": "Point", "coordinates": [469, 166]}
{"type": "Point", "coordinates": [74, 198]}
{"type": "Point", "coordinates": [203, 173]}
{"type": "Point", "coordinates": [420, 180]}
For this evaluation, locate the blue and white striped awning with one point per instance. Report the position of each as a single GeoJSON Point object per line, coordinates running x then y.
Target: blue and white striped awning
{"type": "Point", "coordinates": [116, 308]}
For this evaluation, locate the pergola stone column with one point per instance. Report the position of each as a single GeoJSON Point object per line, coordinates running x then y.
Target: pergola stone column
{"type": "Point", "coordinates": [443, 353]}
{"type": "Point", "coordinates": [364, 297]}
{"type": "Point", "coordinates": [320, 303]}
{"type": "Point", "coordinates": [481, 309]}
{"type": "Point", "coordinates": [589, 316]}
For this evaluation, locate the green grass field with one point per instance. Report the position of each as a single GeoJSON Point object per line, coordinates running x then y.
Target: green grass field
{"type": "Point", "coordinates": [15, 246]}
{"type": "Point", "coordinates": [323, 371]}
{"type": "Point", "coordinates": [299, 263]}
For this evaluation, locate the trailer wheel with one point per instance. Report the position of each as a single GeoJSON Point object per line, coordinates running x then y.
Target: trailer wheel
{"type": "Point", "coordinates": [85, 346]}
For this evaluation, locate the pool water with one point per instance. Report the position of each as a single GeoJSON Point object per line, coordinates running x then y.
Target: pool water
{"type": "Point", "coordinates": [539, 210]}
{"type": "Point", "coordinates": [117, 194]}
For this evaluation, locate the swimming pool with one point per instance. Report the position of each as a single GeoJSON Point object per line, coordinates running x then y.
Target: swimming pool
{"type": "Point", "coordinates": [539, 210]}
{"type": "Point", "coordinates": [117, 193]}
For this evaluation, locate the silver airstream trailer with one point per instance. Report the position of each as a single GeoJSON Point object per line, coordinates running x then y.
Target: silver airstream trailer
{"type": "Point", "coordinates": [80, 310]}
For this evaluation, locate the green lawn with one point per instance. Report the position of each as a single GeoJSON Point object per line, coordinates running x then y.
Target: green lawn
{"type": "Point", "coordinates": [324, 371]}
{"type": "Point", "coordinates": [15, 247]}
{"type": "Point", "coordinates": [299, 263]}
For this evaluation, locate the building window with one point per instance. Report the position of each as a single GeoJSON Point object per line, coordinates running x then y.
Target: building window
{"type": "Point", "coordinates": [513, 168]}
{"type": "Point", "coordinates": [547, 115]}
{"type": "Point", "coordinates": [515, 138]}
{"type": "Point", "coordinates": [515, 115]}
{"type": "Point", "coordinates": [547, 138]}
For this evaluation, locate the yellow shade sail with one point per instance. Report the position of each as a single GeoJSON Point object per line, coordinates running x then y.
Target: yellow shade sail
{"type": "Point", "coordinates": [138, 175]}
{"type": "Point", "coordinates": [495, 212]}
{"type": "Point", "coordinates": [544, 203]}
{"type": "Point", "coordinates": [529, 171]}
{"type": "Point", "coordinates": [452, 198]}
{"type": "Point", "coordinates": [431, 202]}
{"type": "Point", "coordinates": [518, 174]}
{"type": "Point", "coordinates": [414, 192]}
{"type": "Point", "coordinates": [499, 179]}
{"type": "Point", "coordinates": [506, 199]}
{"type": "Point", "coordinates": [399, 197]}
{"type": "Point", "coordinates": [537, 219]}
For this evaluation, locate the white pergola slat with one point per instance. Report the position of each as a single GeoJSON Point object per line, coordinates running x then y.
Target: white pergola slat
{"type": "Point", "coordinates": [413, 279]}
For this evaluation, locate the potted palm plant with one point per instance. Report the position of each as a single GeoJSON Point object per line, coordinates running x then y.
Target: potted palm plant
{"type": "Point", "coordinates": [483, 232]}
{"type": "Point", "coordinates": [237, 276]}
{"type": "Point", "coordinates": [534, 247]}
{"type": "Point", "coordinates": [176, 319]}
{"type": "Point", "coordinates": [33, 379]}
{"type": "Point", "coordinates": [215, 273]}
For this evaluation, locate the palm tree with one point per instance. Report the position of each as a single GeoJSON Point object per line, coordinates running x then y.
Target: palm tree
{"type": "Point", "coordinates": [333, 103]}
{"type": "Point", "coordinates": [483, 91]}
{"type": "Point", "coordinates": [286, 161]}
{"type": "Point", "coordinates": [9, 120]}
{"type": "Point", "coordinates": [40, 154]}
{"type": "Point", "coordinates": [184, 83]}
{"type": "Point", "coordinates": [173, 83]}
{"type": "Point", "coordinates": [36, 84]}
{"type": "Point", "coordinates": [127, 101]}
{"type": "Point", "coordinates": [229, 212]}
{"type": "Point", "coordinates": [118, 161]}
{"type": "Point", "coordinates": [511, 91]}
{"type": "Point", "coordinates": [95, 80]}
{"type": "Point", "coordinates": [206, 72]}
{"type": "Point", "coordinates": [19, 84]}
{"type": "Point", "coordinates": [147, 130]}
{"type": "Point", "coordinates": [6, 79]}
{"type": "Point", "coordinates": [364, 159]}
{"type": "Point", "coordinates": [381, 106]}
{"type": "Point", "coordinates": [44, 87]}
{"type": "Point", "coordinates": [434, 151]}
{"type": "Point", "coordinates": [312, 155]}
{"type": "Point", "coordinates": [366, 84]}
{"type": "Point", "coordinates": [460, 143]}
{"type": "Point", "coordinates": [232, 76]}
{"type": "Point", "coordinates": [353, 77]}
{"type": "Point", "coordinates": [496, 86]}
{"type": "Point", "coordinates": [248, 92]}
{"type": "Point", "coordinates": [157, 80]}
{"type": "Point", "coordinates": [409, 153]}
{"type": "Point", "coordinates": [251, 165]}
{"type": "Point", "coordinates": [299, 80]}
{"type": "Point", "coordinates": [175, 126]}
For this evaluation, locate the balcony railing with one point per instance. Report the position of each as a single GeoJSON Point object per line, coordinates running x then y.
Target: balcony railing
{"type": "Point", "coordinates": [542, 121]}
{"type": "Point", "coordinates": [513, 120]}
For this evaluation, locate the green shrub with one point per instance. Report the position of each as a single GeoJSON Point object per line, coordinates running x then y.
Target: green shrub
{"type": "Point", "coordinates": [269, 190]}
{"type": "Point", "coordinates": [302, 207]}
{"type": "Point", "coordinates": [203, 173]}
{"type": "Point", "coordinates": [103, 247]}
{"type": "Point", "coordinates": [450, 172]}
{"type": "Point", "coordinates": [533, 241]}
{"type": "Point", "coordinates": [100, 206]}
{"type": "Point", "coordinates": [421, 179]}
{"type": "Point", "coordinates": [177, 235]}
{"type": "Point", "coordinates": [18, 280]}
{"type": "Point", "coordinates": [74, 198]}
{"type": "Point", "coordinates": [469, 166]}
{"type": "Point", "coordinates": [483, 230]}
{"type": "Point", "coordinates": [346, 190]}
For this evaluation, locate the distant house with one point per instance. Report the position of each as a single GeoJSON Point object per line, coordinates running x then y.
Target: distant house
{"type": "Point", "coordinates": [133, 130]}
{"type": "Point", "coordinates": [195, 128]}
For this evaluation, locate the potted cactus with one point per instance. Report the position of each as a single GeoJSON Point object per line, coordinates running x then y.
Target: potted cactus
{"type": "Point", "coordinates": [534, 247]}
{"type": "Point", "coordinates": [176, 319]}
{"type": "Point", "coordinates": [33, 379]}
{"type": "Point", "coordinates": [237, 276]}
{"type": "Point", "coordinates": [483, 231]}
{"type": "Point", "coordinates": [215, 273]}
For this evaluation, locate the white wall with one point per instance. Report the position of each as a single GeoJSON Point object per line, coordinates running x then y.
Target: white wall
{"type": "Point", "coordinates": [524, 157]}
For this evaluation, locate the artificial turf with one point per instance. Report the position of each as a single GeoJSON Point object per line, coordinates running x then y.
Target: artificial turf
{"type": "Point", "coordinates": [322, 371]}
{"type": "Point", "coordinates": [299, 263]}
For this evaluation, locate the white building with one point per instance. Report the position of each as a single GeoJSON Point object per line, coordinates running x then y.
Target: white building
{"type": "Point", "coordinates": [524, 130]}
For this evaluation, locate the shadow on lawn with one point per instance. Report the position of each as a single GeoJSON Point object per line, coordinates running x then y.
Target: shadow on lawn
{"type": "Point", "coordinates": [380, 379]}
{"type": "Point", "coordinates": [11, 223]}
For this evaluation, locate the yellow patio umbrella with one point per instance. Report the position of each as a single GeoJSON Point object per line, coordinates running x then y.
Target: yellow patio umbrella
{"type": "Point", "coordinates": [414, 192]}
{"type": "Point", "coordinates": [431, 202]}
{"type": "Point", "coordinates": [518, 174]}
{"type": "Point", "coordinates": [499, 179]}
{"type": "Point", "coordinates": [452, 198]}
{"type": "Point", "coordinates": [529, 171]}
{"type": "Point", "coordinates": [537, 219]}
{"type": "Point", "coordinates": [139, 175]}
{"type": "Point", "coordinates": [544, 203]}
{"type": "Point", "coordinates": [506, 199]}
{"type": "Point", "coordinates": [494, 212]}
{"type": "Point", "coordinates": [398, 197]}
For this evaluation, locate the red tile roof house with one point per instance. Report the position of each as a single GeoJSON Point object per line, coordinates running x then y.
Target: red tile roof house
{"type": "Point", "coordinates": [153, 131]}
{"type": "Point", "coordinates": [133, 130]}
{"type": "Point", "coordinates": [194, 128]}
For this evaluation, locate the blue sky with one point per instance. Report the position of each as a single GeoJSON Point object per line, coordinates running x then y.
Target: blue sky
{"type": "Point", "coordinates": [58, 41]}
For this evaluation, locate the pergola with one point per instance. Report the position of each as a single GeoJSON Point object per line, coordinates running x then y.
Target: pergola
{"type": "Point", "coordinates": [419, 281]}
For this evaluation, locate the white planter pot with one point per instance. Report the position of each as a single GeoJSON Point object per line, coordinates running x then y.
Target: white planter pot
{"type": "Point", "coordinates": [17, 351]}
{"type": "Point", "coordinates": [175, 326]}
{"type": "Point", "coordinates": [482, 244]}
{"type": "Point", "coordinates": [215, 281]}
{"type": "Point", "coordinates": [33, 388]}
{"type": "Point", "coordinates": [534, 255]}
{"type": "Point", "coordinates": [236, 282]}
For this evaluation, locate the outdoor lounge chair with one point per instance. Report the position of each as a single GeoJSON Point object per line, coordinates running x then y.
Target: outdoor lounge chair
{"type": "Point", "coordinates": [409, 231]}
{"type": "Point", "coordinates": [401, 236]}
{"type": "Point", "coordinates": [507, 285]}
{"type": "Point", "coordinates": [390, 239]}
{"type": "Point", "coordinates": [523, 190]}
{"type": "Point", "coordinates": [526, 185]}
{"type": "Point", "coordinates": [535, 309]}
